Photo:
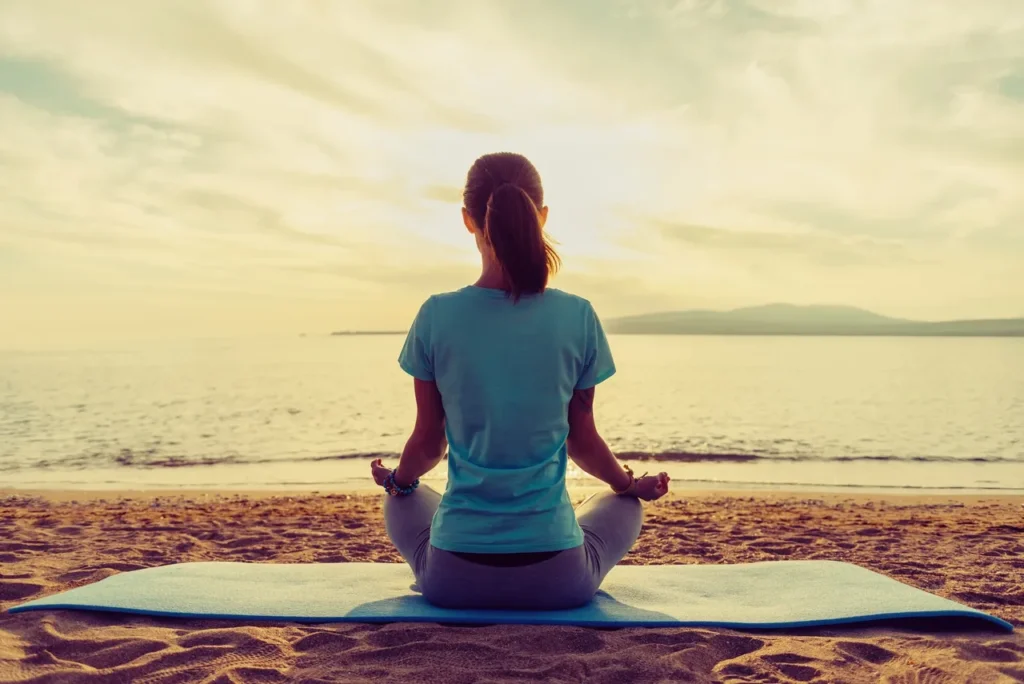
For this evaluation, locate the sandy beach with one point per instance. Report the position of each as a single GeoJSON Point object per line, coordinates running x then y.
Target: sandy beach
{"type": "Point", "coordinates": [969, 549]}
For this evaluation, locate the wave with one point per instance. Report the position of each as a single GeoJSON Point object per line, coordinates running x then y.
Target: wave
{"type": "Point", "coordinates": [717, 457]}
{"type": "Point", "coordinates": [812, 486]}
{"type": "Point", "coordinates": [701, 457]}
{"type": "Point", "coordinates": [729, 457]}
{"type": "Point", "coordinates": [150, 459]}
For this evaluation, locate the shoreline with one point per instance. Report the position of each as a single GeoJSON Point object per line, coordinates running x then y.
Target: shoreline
{"type": "Point", "coordinates": [350, 475]}
{"type": "Point", "coordinates": [870, 477]}
{"type": "Point", "coordinates": [64, 495]}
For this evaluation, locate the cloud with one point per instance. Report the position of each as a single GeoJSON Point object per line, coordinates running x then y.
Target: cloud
{"type": "Point", "coordinates": [815, 247]}
{"type": "Point", "coordinates": [712, 151]}
{"type": "Point", "coordinates": [449, 194]}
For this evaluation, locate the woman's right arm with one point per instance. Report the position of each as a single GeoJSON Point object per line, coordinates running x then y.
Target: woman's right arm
{"type": "Point", "coordinates": [589, 451]}
{"type": "Point", "coordinates": [587, 448]}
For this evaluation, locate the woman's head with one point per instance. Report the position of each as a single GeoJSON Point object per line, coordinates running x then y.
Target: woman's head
{"type": "Point", "coordinates": [503, 204]}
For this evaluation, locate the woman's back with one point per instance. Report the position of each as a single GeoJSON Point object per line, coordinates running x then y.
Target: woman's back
{"type": "Point", "coordinates": [506, 372]}
{"type": "Point", "coordinates": [505, 375]}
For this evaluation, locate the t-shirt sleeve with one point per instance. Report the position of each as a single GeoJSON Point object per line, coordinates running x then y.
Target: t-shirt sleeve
{"type": "Point", "coordinates": [598, 364]}
{"type": "Point", "coordinates": [417, 358]}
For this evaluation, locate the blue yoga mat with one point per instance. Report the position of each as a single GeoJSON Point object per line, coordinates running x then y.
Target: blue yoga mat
{"type": "Point", "coordinates": [754, 595]}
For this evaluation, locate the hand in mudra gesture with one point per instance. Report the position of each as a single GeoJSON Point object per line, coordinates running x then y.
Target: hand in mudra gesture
{"type": "Point", "coordinates": [379, 471]}
{"type": "Point", "coordinates": [652, 487]}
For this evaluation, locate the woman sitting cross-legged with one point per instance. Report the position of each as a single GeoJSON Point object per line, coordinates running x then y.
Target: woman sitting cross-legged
{"type": "Point", "coordinates": [504, 374]}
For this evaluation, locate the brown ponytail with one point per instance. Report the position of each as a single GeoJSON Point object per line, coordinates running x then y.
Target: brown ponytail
{"type": "Point", "coordinates": [503, 195]}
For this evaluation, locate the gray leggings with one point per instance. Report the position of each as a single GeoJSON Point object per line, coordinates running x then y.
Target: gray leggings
{"type": "Point", "coordinates": [567, 579]}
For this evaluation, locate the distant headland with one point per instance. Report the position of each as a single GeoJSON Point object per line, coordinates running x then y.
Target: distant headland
{"type": "Point", "coordinates": [790, 319]}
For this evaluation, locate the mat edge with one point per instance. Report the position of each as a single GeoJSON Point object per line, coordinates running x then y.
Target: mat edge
{"type": "Point", "coordinates": [970, 613]}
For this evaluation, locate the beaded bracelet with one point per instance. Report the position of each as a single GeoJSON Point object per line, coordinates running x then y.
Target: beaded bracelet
{"type": "Point", "coordinates": [392, 488]}
{"type": "Point", "coordinates": [631, 487]}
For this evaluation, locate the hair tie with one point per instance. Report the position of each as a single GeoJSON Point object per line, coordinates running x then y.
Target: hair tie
{"type": "Point", "coordinates": [499, 186]}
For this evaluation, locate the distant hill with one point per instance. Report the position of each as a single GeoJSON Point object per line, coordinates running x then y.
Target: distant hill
{"type": "Point", "coordinates": [789, 319]}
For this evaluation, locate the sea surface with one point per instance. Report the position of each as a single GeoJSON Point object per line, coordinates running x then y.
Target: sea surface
{"type": "Point", "coordinates": [806, 413]}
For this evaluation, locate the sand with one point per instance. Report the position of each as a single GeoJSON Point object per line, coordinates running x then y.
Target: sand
{"type": "Point", "coordinates": [970, 550]}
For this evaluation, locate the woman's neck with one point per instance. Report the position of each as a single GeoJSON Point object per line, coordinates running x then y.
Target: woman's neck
{"type": "Point", "coordinates": [492, 278]}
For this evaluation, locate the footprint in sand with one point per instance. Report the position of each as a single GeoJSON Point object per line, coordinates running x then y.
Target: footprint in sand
{"type": "Point", "coordinates": [328, 641]}
{"type": "Point", "coordinates": [801, 673]}
{"type": "Point", "coordinates": [109, 653]}
{"type": "Point", "coordinates": [977, 597]}
{"type": "Point", "coordinates": [776, 550]}
{"type": "Point", "coordinates": [744, 674]}
{"type": "Point", "coordinates": [992, 653]}
{"type": "Point", "coordinates": [85, 576]}
{"type": "Point", "coordinates": [251, 674]}
{"type": "Point", "coordinates": [787, 659]}
{"type": "Point", "coordinates": [926, 675]}
{"type": "Point", "coordinates": [16, 591]}
{"type": "Point", "coordinates": [391, 636]}
{"type": "Point", "coordinates": [192, 663]}
{"type": "Point", "coordinates": [120, 567]}
{"type": "Point", "coordinates": [232, 637]}
{"type": "Point", "coordinates": [94, 573]}
{"type": "Point", "coordinates": [242, 542]}
{"type": "Point", "coordinates": [681, 640]}
{"type": "Point", "coordinates": [1015, 673]}
{"type": "Point", "coordinates": [727, 647]}
{"type": "Point", "coordinates": [24, 546]}
{"type": "Point", "coordinates": [331, 558]}
{"type": "Point", "coordinates": [865, 651]}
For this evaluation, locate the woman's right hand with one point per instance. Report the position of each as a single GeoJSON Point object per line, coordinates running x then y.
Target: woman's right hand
{"type": "Point", "coordinates": [651, 487]}
{"type": "Point", "coordinates": [379, 472]}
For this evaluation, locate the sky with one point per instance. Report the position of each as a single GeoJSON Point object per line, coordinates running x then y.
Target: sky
{"type": "Point", "coordinates": [177, 168]}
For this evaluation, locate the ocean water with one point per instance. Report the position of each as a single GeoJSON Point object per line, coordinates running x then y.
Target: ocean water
{"type": "Point", "coordinates": [729, 412]}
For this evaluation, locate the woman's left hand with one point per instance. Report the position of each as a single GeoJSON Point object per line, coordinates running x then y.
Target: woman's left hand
{"type": "Point", "coordinates": [379, 472]}
{"type": "Point", "coordinates": [652, 487]}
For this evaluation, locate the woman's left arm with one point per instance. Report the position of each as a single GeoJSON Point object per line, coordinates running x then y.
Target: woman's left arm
{"type": "Point", "coordinates": [427, 444]}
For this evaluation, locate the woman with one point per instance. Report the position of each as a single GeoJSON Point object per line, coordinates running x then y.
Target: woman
{"type": "Point", "coordinates": [504, 373]}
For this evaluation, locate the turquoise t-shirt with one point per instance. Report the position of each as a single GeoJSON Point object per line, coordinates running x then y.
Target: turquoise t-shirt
{"type": "Point", "coordinates": [506, 373]}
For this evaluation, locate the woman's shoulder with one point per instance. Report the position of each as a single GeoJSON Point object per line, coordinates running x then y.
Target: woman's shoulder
{"type": "Point", "coordinates": [550, 296]}
{"type": "Point", "coordinates": [567, 298]}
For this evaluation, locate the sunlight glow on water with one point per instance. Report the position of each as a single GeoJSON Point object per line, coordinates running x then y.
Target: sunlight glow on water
{"type": "Point", "coordinates": [821, 410]}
